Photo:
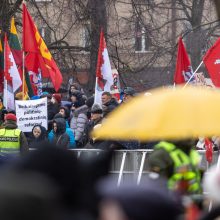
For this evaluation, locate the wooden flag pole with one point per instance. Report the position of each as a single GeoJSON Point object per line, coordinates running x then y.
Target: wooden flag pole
{"type": "Point", "coordinates": [193, 74]}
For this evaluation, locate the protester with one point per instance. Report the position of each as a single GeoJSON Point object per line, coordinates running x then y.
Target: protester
{"type": "Point", "coordinates": [96, 119]}
{"type": "Point", "coordinates": [60, 138]}
{"type": "Point", "coordinates": [108, 103]}
{"type": "Point", "coordinates": [12, 140]}
{"type": "Point", "coordinates": [38, 136]}
{"type": "Point", "coordinates": [68, 131]}
{"type": "Point", "coordinates": [179, 163]}
{"type": "Point", "coordinates": [78, 120]}
{"type": "Point", "coordinates": [128, 94]}
{"type": "Point", "coordinates": [65, 113]}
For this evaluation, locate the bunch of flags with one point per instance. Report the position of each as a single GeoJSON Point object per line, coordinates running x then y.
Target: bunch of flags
{"type": "Point", "coordinates": [184, 72]}
{"type": "Point", "coordinates": [23, 68]}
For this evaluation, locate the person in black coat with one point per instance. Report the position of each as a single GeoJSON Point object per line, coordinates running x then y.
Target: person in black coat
{"type": "Point", "coordinates": [61, 138]}
{"type": "Point", "coordinates": [38, 136]}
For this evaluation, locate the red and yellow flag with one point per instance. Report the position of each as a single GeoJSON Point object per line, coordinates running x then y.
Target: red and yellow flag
{"type": "Point", "coordinates": [38, 57]}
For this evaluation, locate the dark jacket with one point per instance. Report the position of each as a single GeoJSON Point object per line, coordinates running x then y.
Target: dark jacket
{"type": "Point", "coordinates": [89, 127]}
{"type": "Point", "coordinates": [9, 124]}
{"type": "Point", "coordinates": [109, 106]}
{"type": "Point", "coordinates": [37, 142]}
{"type": "Point", "coordinates": [61, 138]}
{"type": "Point", "coordinates": [68, 131]}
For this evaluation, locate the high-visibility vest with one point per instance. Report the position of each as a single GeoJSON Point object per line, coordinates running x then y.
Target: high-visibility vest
{"type": "Point", "coordinates": [185, 167]}
{"type": "Point", "coordinates": [9, 141]}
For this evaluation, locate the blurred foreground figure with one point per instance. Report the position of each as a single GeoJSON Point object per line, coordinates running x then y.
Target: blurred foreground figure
{"type": "Point", "coordinates": [28, 196]}
{"type": "Point", "coordinates": [132, 202]}
{"type": "Point", "coordinates": [179, 163]}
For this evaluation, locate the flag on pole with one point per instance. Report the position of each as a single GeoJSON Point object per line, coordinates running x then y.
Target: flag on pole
{"type": "Point", "coordinates": [104, 78]}
{"type": "Point", "coordinates": [1, 67]}
{"type": "Point", "coordinates": [17, 53]}
{"type": "Point", "coordinates": [11, 71]}
{"type": "Point", "coordinates": [209, 150]}
{"type": "Point", "coordinates": [183, 66]}
{"type": "Point", "coordinates": [38, 54]}
{"type": "Point", "coordinates": [212, 63]}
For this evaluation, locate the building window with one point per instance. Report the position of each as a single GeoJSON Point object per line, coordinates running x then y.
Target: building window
{"type": "Point", "coordinates": [86, 36]}
{"type": "Point", "coordinates": [142, 38]}
{"type": "Point", "coordinates": [45, 33]}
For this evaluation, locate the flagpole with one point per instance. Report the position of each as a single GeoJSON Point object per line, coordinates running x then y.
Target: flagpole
{"type": "Point", "coordinates": [23, 75]}
{"type": "Point", "coordinates": [193, 74]}
{"type": "Point", "coordinates": [5, 80]}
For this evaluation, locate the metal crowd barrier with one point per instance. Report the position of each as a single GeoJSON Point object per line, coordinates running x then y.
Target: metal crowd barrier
{"type": "Point", "coordinates": [133, 164]}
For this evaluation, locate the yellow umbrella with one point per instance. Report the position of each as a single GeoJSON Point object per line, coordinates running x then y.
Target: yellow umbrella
{"type": "Point", "coordinates": [166, 114]}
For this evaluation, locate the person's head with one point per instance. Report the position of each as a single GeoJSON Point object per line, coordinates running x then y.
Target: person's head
{"type": "Point", "coordinates": [54, 126]}
{"type": "Point", "coordinates": [74, 87]}
{"type": "Point", "coordinates": [75, 96]}
{"type": "Point", "coordinates": [128, 94]}
{"type": "Point", "coordinates": [36, 131]}
{"type": "Point", "coordinates": [64, 112]}
{"type": "Point", "coordinates": [106, 97]}
{"type": "Point", "coordinates": [56, 98]}
{"type": "Point", "coordinates": [96, 112]}
{"type": "Point", "coordinates": [11, 117]}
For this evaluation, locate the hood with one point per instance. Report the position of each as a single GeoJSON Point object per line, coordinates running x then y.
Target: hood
{"type": "Point", "coordinates": [43, 131]}
{"type": "Point", "coordinates": [61, 125]}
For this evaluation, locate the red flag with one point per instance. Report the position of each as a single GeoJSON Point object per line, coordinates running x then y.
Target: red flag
{"type": "Point", "coordinates": [183, 66]}
{"type": "Point", "coordinates": [212, 63]}
{"type": "Point", "coordinates": [209, 151]}
{"type": "Point", "coordinates": [39, 57]}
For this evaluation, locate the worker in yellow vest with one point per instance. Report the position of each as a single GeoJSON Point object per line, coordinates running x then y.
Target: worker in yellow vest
{"type": "Point", "coordinates": [12, 140]}
{"type": "Point", "coordinates": [179, 163]}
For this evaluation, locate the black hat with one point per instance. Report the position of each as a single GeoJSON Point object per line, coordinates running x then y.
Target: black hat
{"type": "Point", "coordinates": [96, 109]}
{"type": "Point", "coordinates": [129, 91]}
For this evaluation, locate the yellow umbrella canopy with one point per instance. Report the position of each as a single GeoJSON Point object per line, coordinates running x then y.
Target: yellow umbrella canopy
{"type": "Point", "coordinates": [168, 113]}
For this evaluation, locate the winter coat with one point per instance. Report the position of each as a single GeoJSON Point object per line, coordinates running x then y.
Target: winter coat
{"type": "Point", "coordinates": [88, 128]}
{"type": "Point", "coordinates": [61, 138]}
{"type": "Point", "coordinates": [109, 106]}
{"type": "Point", "coordinates": [37, 142]}
{"type": "Point", "coordinates": [9, 124]}
{"type": "Point", "coordinates": [78, 121]}
{"type": "Point", "coordinates": [70, 134]}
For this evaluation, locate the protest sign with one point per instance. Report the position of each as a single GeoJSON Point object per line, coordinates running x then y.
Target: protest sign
{"type": "Point", "coordinates": [30, 113]}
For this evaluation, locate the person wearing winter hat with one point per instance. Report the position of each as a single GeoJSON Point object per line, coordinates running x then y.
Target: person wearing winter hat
{"type": "Point", "coordinates": [12, 140]}
{"type": "Point", "coordinates": [128, 94]}
{"type": "Point", "coordinates": [96, 119]}
{"type": "Point", "coordinates": [56, 97]}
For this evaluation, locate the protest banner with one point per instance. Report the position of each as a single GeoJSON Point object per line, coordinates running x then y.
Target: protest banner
{"type": "Point", "coordinates": [30, 113]}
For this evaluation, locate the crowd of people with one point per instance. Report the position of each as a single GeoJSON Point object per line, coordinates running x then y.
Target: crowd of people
{"type": "Point", "coordinates": [50, 182]}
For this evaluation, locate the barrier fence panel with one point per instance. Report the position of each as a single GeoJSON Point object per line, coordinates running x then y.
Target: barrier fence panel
{"type": "Point", "coordinates": [133, 164]}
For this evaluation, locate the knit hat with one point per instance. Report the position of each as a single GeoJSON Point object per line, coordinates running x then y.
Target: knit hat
{"type": "Point", "coordinates": [90, 101]}
{"type": "Point", "coordinates": [96, 109]}
{"type": "Point", "coordinates": [129, 91]}
{"type": "Point", "coordinates": [57, 96]}
{"type": "Point", "coordinates": [11, 117]}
